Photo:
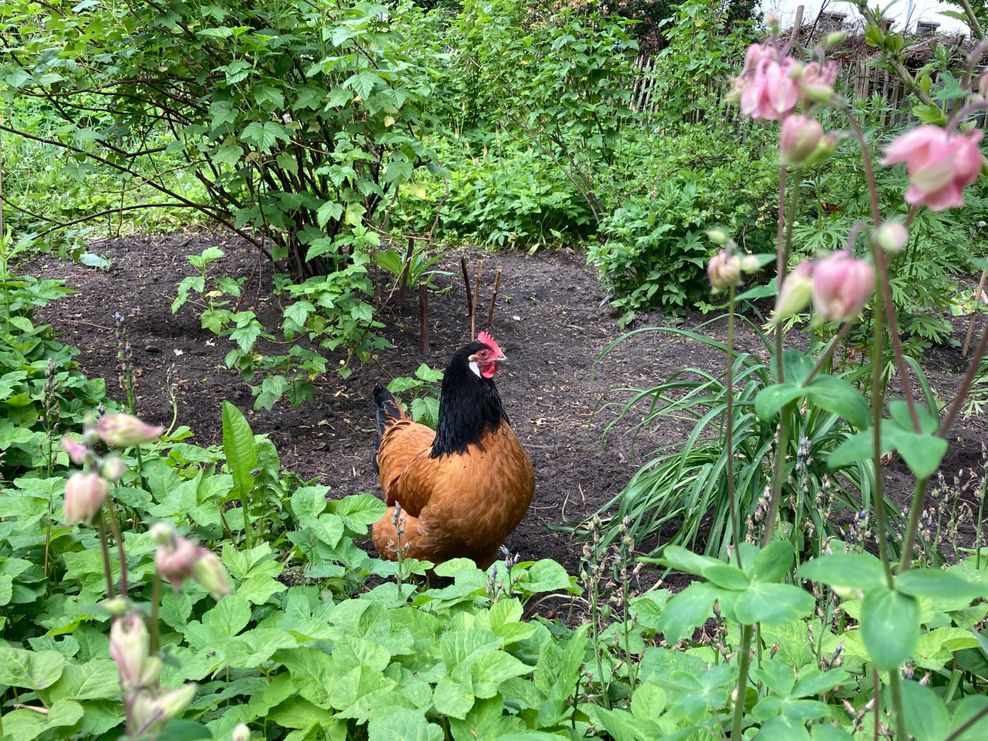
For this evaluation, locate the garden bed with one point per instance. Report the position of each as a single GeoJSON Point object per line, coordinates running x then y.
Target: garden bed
{"type": "Point", "coordinates": [549, 320]}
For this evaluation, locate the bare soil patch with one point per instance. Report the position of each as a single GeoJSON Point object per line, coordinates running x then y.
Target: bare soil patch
{"type": "Point", "coordinates": [549, 320]}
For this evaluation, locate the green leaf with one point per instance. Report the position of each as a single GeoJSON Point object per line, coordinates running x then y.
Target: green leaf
{"type": "Point", "coordinates": [726, 576]}
{"type": "Point", "coordinates": [889, 627]}
{"type": "Point", "coordinates": [265, 135]}
{"type": "Point", "coordinates": [938, 584]}
{"type": "Point", "coordinates": [772, 604]}
{"type": "Point", "coordinates": [33, 670]}
{"type": "Point", "coordinates": [926, 715]}
{"type": "Point", "coordinates": [922, 453]}
{"type": "Point", "coordinates": [841, 398]}
{"type": "Point", "coordinates": [772, 398]}
{"type": "Point", "coordinates": [682, 559]}
{"type": "Point", "coordinates": [402, 724]}
{"type": "Point", "coordinates": [240, 449]}
{"type": "Point", "coordinates": [687, 610]}
{"type": "Point", "coordinates": [772, 563]}
{"type": "Point", "coordinates": [845, 570]}
{"type": "Point", "coordinates": [228, 154]}
{"type": "Point", "coordinates": [329, 211]}
{"type": "Point", "coordinates": [96, 679]}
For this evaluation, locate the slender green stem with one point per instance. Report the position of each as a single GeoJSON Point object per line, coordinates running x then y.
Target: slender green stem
{"type": "Point", "coordinates": [972, 19]}
{"type": "Point", "coordinates": [744, 662]}
{"type": "Point", "coordinates": [118, 539]}
{"type": "Point", "coordinates": [827, 353]}
{"type": "Point", "coordinates": [877, 405]}
{"type": "Point", "coordinates": [155, 607]}
{"type": "Point", "coordinates": [915, 508]}
{"type": "Point", "coordinates": [729, 431]}
{"type": "Point", "coordinates": [778, 474]}
{"type": "Point", "coordinates": [105, 550]}
{"type": "Point", "coordinates": [895, 690]}
{"type": "Point", "coordinates": [781, 262]}
{"type": "Point", "coordinates": [972, 721]}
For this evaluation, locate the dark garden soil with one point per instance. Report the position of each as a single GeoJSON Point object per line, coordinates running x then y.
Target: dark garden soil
{"type": "Point", "coordinates": [549, 321]}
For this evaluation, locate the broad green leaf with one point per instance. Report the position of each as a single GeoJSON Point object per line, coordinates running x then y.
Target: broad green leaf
{"type": "Point", "coordinates": [687, 610]}
{"type": "Point", "coordinates": [845, 570]}
{"type": "Point", "coordinates": [681, 559]}
{"type": "Point", "coordinates": [32, 670]}
{"type": "Point", "coordinates": [938, 584]}
{"type": "Point", "coordinates": [402, 724]}
{"type": "Point", "coordinates": [772, 563]}
{"type": "Point", "coordinates": [726, 576]}
{"type": "Point", "coordinates": [772, 604]}
{"type": "Point", "coordinates": [240, 449]}
{"type": "Point", "coordinates": [926, 715]}
{"type": "Point", "coordinates": [889, 627]}
{"type": "Point", "coordinates": [772, 398]}
{"type": "Point", "coordinates": [841, 398]}
{"type": "Point", "coordinates": [96, 679]}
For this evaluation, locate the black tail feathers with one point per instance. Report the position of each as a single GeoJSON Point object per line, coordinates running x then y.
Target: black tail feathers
{"type": "Point", "coordinates": [388, 411]}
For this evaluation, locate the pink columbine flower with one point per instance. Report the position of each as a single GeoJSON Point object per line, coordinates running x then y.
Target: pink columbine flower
{"type": "Point", "coordinates": [724, 270]}
{"type": "Point", "coordinates": [797, 288]}
{"type": "Point", "coordinates": [84, 495]}
{"type": "Point", "coordinates": [798, 138]}
{"type": "Point", "coordinates": [175, 561]}
{"type": "Point", "coordinates": [841, 286]}
{"type": "Point", "coordinates": [78, 453]}
{"type": "Point", "coordinates": [773, 90]}
{"type": "Point", "coordinates": [121, 430]}
{"type": "Point", "coordinates": [817, 82]}
{"type": "Point", "coordinates": [940, 165]}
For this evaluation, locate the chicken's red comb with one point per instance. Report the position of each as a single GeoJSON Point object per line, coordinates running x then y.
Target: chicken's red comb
{"type": "Point", "coordinates": [486, 338]}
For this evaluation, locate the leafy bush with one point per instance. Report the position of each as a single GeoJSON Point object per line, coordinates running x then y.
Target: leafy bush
{"type": "Point", "coordinates": [655, 245]}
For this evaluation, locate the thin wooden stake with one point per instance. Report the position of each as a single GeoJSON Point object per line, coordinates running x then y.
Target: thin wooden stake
{"type": "Point", "coordinates": [970, 324]}
{"type": "Point", "coordinates": [466, 283]}
{"type": "Point", "coordinates": [476, 299]}
{"type": "Point", "coordinates": [424, 318]}
{"type": "Point", "coordinates": [490, 309]}
{"type": "Point", "coordinates": [403, 278]}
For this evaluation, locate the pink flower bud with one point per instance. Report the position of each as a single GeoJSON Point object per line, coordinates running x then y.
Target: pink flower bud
{"type": "Point", "coordinates": [113, 468]}
{"type": "Point", "coordinates": [724, 270]}
{"type": "Point", "coordinates": [817, 82]}
{"type": "Point", "coordinates": [121, 430]}
{"type": "Point", "coordinates": [162, 533]}
{"type": "Point", "coordinates": [211, 574]}
{"type": "Point", "coordinates": [940, 165]}
{"type": "Point", "coordinates": [892, 236]}
{"type": "Point", "coordinates": [148, 714]}
{"type": "Point", "coordinates": [84, 495]}
{"type": "Point", "coordinates": [821, 153]}
{"type": "Point", "coordinates": [841, 286]}
{"type": "Point", "coordinates": [118, 606]}
{"type": "Point", "coordinates": [799, 138]}
{"type": "Point", "coordinates": [241, 733]}
{"type": "Point", "coordinates": [78, 453]}
{"type": "Point", "coordinates": [129, 642]}
{"type": "Point", "coordinates": [750, 264]}
{"type": "Point", "coordinates": [797, 288]}
{"type": "Point", "coordinates": [772, 23]}
{"type": "Point", "coordinates": [170, 704]}
{"type": "Point", "coordinates": [176, 561]}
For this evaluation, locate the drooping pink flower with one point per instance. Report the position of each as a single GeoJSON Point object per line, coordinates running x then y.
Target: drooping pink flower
{"type": "Point", "coordinates": [121, 430]}
{"type": "Point", "coordinates": [84, 495]}
{"type": "Point", "coordinates": [175, 561]}
{"type": "Point", "coordinates": [940, 165]}
{"type": "Point", "coordinates": [817, 81]}
{"type": "Point", "coordinates": [76, 450]}
{"type": "Point", "coordinates": [798, 138]}
{"type": "Point", "coordinates": [797, 288]}
{"type": "Point", "coordinates": [724, 270]}
{"type": "Point", "coordinates": [755, 54]}
{"type": "Point", "coordinates": [841, 286]}
{"type": "Point", "coordinates": [773, 91]}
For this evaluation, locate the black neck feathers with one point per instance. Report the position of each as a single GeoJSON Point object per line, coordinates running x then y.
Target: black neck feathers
{"type": "Point", "coordinates": [468, 407]}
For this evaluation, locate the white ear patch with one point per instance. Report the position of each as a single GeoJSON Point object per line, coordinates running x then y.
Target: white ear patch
{"type": "Point", "coordinates": [475, 368]}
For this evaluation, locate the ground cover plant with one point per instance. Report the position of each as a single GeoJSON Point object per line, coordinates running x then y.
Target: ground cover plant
{"type": "Point", "coordinates": [759, 581]}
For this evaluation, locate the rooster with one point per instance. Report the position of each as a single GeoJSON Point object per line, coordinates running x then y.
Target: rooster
{"type": "Point", "coordinates": [463, 487]}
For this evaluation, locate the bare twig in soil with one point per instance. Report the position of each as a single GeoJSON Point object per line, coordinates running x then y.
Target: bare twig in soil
{"type": "Point", "coordinates": [405, 264]}
{"type": "Point", "coordinates": [424, 318]}
{"type": "Point", "coordinates": [466, 283]}
{"type": "Point", "coordinates": [476, 299]}
{"type": "Point", "coordinates": [490, 309]}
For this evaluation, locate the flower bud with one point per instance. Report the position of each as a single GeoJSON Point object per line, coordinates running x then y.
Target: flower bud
{"type": "Point", "coordinates": [176, 561]}
{"type": "Point", "coordinates": [718, 236]}
{"type": "Point", "coordinates": [172, 703]}
{"type": "Point", "coordinates": [162, 533]}
{"type": "Point", "coordinates": [817, 82]}
{"type": "Point", "coordinates": [834, 38]}
{"type": "Point", "coordinates": [799, 138]}
{"type": "Point", "coordinates": [113, 468]}
{"type": "Point", "coordinates": [797, 288]}
{"type": "Point", "coordinates": [824, 148]}
{"type": "Point", "coordinates": [750, 264]}
{"type": "Point", "coordinates": [724, 270]}
{"type": "Point", "coordinates": [117, 607]}
{"type": "Point", "coordinates": [892, 236]}
{"type": "Point", "coordinates": [842, 285]}
{"type": "Point", "coordinates": [129, 641]}
{"type": "Point", "coordinates": [241, 733]}
{"type": "Point", "coordinates": [211, 574]}
{"type": "Point", "coordinates": [151, 671]}
{"type": "Point", "coordinates": [121, 430]}
{"type": "Point", "coordinates": [84, 495]}
{"type": "Point", "coordinates": [772, 23]}
{"type": "Point", "coordinates": [78, 453]}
